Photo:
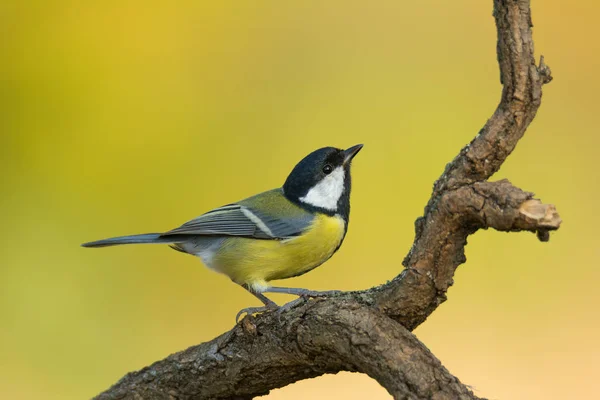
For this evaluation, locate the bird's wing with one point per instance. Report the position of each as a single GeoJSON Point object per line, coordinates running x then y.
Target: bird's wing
{"type": "Point", "coordinates": [246, 221]}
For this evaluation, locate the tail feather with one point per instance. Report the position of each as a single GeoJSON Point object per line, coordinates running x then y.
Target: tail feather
{"type": "Point", "coordinates": [131, 239]}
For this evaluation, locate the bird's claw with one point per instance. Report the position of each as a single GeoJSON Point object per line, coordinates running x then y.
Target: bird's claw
{"type": "Point", "coordinates": [314, 293]}
{"type": "Point", "coordinates": [292, 304]}
{"type": "Point", "coordinates": [254, 310]}
{"type": "Point", "coordinates": [303, 296]}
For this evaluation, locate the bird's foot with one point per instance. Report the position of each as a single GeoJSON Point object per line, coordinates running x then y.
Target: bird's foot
{"type": "Point", "coordinates": [303, 298]}
{"type": "Point", "coordinates": [249, 311]}
{"type": "Point", "coordinates": [291, 304]}
{"type": "Point", "coordinates": [302, 292]}
{"type": "Point", "coordinates": [315, 293]}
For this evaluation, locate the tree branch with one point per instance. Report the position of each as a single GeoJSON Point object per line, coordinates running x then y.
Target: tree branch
{"type": "Point", "coordinates": [439, 248]}
{"type": "Point", "coordinates": [318, 338]}
{"type": "Point", "coordinates": [369, 331]}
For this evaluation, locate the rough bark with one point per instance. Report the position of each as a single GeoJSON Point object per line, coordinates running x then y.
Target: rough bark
{"type": "Point", "coordinates": [275, 350]}
{"type": "Point", "coordinates": [369, 331]}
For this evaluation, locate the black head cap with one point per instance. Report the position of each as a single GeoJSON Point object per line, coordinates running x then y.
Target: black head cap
{"type": "Point", "coordinates": [321, 181]}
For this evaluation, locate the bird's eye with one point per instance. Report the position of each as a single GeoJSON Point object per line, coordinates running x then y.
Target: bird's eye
{"type": "Point", "coordinates": [327, 169]}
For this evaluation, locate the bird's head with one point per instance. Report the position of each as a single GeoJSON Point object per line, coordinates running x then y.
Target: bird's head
{"type": "Point", "coordinates": [322, 180]}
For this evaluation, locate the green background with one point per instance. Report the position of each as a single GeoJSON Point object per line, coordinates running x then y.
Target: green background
{"type": "Point", "coordinates": [121, 117]}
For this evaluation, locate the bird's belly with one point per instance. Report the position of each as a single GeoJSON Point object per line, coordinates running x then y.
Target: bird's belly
{"type": "Point", "coordinates": [255, 262]}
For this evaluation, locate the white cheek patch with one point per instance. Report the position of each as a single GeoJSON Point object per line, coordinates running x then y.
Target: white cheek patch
{"type": "Point", "coordinates": [326, 193]}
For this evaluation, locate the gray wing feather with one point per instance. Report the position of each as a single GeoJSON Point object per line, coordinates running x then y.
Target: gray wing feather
{"type": "Point", "coordinates": [287, 228]}
{"type": "Point", "coordinates": [238, 220]}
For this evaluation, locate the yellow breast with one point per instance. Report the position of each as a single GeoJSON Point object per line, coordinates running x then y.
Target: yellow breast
{"type": "Point", "coordinates": [255, 262]}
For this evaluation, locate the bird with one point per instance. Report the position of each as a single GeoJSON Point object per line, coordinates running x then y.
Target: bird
{"type": "Point", "coordinates": [278, 234]}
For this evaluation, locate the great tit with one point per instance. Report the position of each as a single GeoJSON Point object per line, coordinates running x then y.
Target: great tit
{"type": "Point", "coordinates": [277, 234]}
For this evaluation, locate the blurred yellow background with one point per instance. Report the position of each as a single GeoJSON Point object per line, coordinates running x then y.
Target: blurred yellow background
{"type": "Point", "coordinates": [122, 117]}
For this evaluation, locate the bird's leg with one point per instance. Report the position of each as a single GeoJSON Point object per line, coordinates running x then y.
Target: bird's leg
{"type": "Point", "coordinates": [268, 304]}
{"type": "Point", "coordinates": [264, 299]}
{"type": "Point", "coordinates": [301, 292]}
{"type": "Point", "coordinates": [291, 304]}
{"type": "Point", "coordinates": [303, 295]}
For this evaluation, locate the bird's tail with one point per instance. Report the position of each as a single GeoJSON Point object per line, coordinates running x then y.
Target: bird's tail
{"type": "Point", "coordinates": [132, 239]}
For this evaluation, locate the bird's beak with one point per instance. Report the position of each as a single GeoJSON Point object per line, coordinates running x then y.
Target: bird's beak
{"type": "Point", "coordinates": [351, 152]}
